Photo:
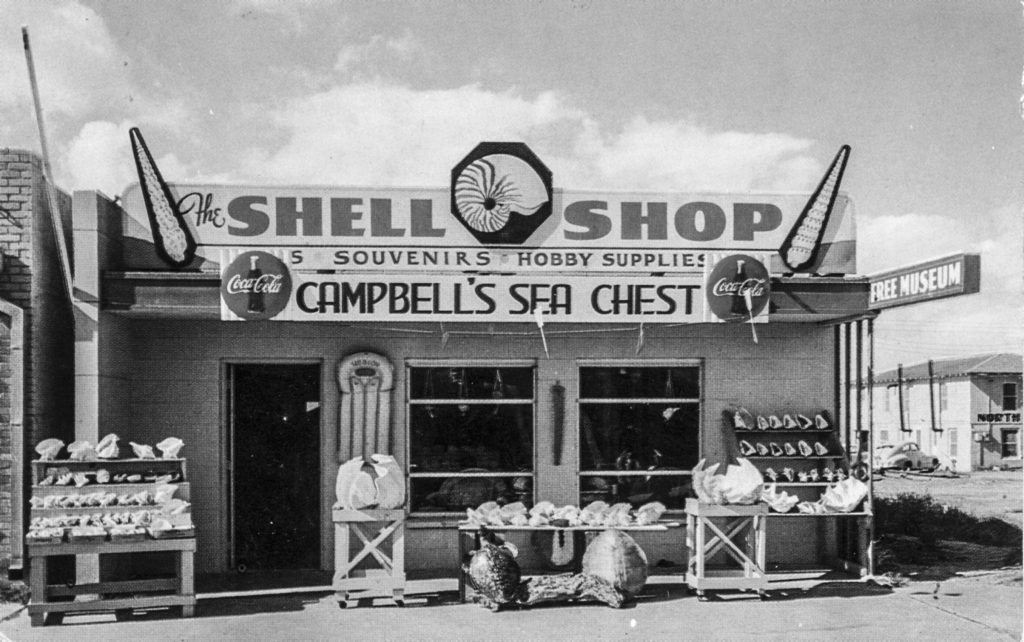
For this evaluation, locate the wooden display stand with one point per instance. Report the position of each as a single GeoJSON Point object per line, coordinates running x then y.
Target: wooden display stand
{"type": "Point", "coordinates": [351, 584]}
{"type": "Point", "coordinates": [182, 587]}
{"type": "Point", "coordinates": [736, 521]}
{"type": "Point", "coordinates": [126, 477]}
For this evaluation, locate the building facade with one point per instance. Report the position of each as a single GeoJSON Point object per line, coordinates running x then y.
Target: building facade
{"type": "Point", "coordinates": [965, 411]}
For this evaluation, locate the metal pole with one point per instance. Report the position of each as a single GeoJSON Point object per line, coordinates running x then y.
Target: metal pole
{"type": "Point", "coordinates": [51, 193]}
{"type": "Point", "coordinates": [871, 445]}
{"type": "Point", "coordinates": [931, 392]}
{"type": "Point", "coordinates": [899, 388]}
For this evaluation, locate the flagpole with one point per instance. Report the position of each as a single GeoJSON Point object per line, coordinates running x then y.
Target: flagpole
{"type": "Point", "coordinates": [51, 190]}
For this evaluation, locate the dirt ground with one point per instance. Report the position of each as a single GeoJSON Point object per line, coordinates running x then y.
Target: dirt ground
{"type": "Point", "coordinates": [983, 494]}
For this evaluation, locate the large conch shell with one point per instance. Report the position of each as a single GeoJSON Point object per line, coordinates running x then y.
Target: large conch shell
{"type": "Point", "coordinates": [742, 483]}
{"type": "Point", "coordinates": [81, 450]}
{"type": "Point", "coordinates": [650, 513]}
{"type": "Point", "coordinates": [354, 488]}
{"type": "Point", "coordinates": [705, 483]}
{"type": "Point", "coordinates": [390, 482]}
{"type": "Point", "coordinates": [492, 188]}
{"type": "Point", "coordinates": [107, 448]}
{"type": "Point", "coordinates": [844, 496]}
{"type": "Point", "coordinates": [48, 449]}
{"type": "Point", "coordinates": [780, 502]}
{"type": "Point", "coordinates": [142, 451]}
{"type": "Point", "coordinates": [169, 447]}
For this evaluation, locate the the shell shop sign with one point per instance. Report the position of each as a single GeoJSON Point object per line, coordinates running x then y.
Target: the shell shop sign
{"type": "Point", "coordinates": [496, 244]}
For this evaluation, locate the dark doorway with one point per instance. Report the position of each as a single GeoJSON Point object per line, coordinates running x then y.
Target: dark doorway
{"type": "Point", "coordinates": [275, 449]}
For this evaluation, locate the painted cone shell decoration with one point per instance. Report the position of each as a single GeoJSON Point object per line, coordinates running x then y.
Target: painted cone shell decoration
{"type": "Point", "coordinates": [774, 422]}
{"type": "Point", "coordinates": [169, 447]}
{"type": "Point", "coordinates": [762, 423]}
{"type": "Point", "coordinates": [805, 422]}
{"type": "Point", "coordinates": [107, 448]}
{"type": "Point", "coordinates": [844, 496]}
{"type": "Point", "coordinates": [780, 502]}
{"type": "Point", "coordinates": [172, 236]}
{"type": "Point", "coordinates": [142, 451]}
{"type": "Point", "coordinates": [743, 420]}
{"type": "Point", "coordinates": [48, 449]}
{"type": "Point", "coordinates": [822, 422]}
{"type": "Point", "coordinates": [776, 449]}
{"type": "Point", "coordinates": [616, 558]}
{"type": "Point", "coordinates": [789, 423]}
{"type": "Point", "coordinates": [820, 448]}
{"type": "Point", "coordinates": [762, 450]}
{"type": "Point", "coordinates": [746, 448]}
{"type": "Point", "coordinates": [805, 448]}
{"type": "Point", "coordinates": [790, 450]}
{"type": "Point", "coordinates": [800, 249]}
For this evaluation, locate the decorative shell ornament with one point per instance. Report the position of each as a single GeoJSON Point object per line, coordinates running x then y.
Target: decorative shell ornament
{"type": "Point", "coordinates": [780, 502]}
{"type": "Point", "coordinates": [142, 451]}
{"type": "Point", "coordinates": [81, 450]}
{"type": "Point", "coordinates": [48, 449]}
{"type": "Point", "coordinates": [107, 448]}
{"type": "Point", "coordinates": [490, 189]}
{"type": "Point", "coordinates": [742, 483]}
{"type": "Point", "coordinates": [789, 423]}
{"type": "Point", "coordinates": [844, 496]}
{"type": "Point", "coordinates": [169, 447]}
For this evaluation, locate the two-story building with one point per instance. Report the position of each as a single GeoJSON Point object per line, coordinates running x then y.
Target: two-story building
{"type": "Point", "coordinates": [965, 411]}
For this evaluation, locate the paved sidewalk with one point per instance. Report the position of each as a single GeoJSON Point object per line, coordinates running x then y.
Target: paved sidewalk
{"type": "Point", "coordinates": [986, 606]}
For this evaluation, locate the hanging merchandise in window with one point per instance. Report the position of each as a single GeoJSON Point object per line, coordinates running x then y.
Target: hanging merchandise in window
{"type": "Point", "coordinates": [470, 436]}
{"type": "Point", "coordinates": [639, 433]}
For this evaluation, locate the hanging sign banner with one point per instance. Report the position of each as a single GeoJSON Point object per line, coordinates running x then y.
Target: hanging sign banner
{"type": "Point", "coordinates": [258, 286]}
{"type": "Point", "coordinates": [935, 279]}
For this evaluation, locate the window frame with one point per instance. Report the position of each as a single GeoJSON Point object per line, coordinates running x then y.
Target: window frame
{"type": "Point", "coordinates": [640, 363]}
{"type": "Point", "coordinates": [1004, 443]}
{"type": "Point", "coordinates": [413, 363]}
{"type": "Point", "coordinates": [1015, 396]}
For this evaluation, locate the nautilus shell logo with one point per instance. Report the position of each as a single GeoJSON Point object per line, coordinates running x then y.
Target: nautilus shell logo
{"type": "Point", "coordinates": [501, 193]}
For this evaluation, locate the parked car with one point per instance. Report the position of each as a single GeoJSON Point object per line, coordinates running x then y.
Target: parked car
{"type": "Point", "coordinates": [904, 456]}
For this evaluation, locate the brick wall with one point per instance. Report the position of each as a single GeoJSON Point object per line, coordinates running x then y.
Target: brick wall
{"type": "Point", "coordinates": [31, 279]}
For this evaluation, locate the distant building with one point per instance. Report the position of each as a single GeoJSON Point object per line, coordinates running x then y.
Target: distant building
{"type": "Point", "coordinates": [966, 410]}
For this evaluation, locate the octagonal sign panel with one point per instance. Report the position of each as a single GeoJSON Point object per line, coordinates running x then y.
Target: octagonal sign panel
{"type": "Point", "coordinates": [501, 193]}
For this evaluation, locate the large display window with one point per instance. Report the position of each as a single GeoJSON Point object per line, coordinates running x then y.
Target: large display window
{"type": "Point", "coordinates": [471, 434]}
{"type": "Point", "coordinates": [639, 431]}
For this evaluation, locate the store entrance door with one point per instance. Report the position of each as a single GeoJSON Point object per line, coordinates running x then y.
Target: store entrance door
{"type": "Point", "coordinates": [274, 465]}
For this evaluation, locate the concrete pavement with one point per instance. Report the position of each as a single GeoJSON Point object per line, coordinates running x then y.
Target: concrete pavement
{"type": "Point", "coordinates": [982, 606]}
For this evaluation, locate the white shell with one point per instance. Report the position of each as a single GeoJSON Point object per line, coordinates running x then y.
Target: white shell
{"type": "Point", "coordinates": [48, 449]}
{"type": "Point", "coordinates": [107, 448]}
{"type": "Point", "coordinates": [169, 447]}
{"type": "Point", "coordinates": [492, 188]}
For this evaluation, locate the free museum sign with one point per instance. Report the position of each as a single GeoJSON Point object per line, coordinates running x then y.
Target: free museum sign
{"type": "Point", "coordinates": [935, 279]}
{"type": "Point", "coordinates": [497, 244]}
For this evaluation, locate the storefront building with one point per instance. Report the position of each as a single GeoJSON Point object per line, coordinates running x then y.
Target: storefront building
{"type": "Point", "coordinates": [965, 411]}
{"type": "Point", "coordinates": [513, 342]}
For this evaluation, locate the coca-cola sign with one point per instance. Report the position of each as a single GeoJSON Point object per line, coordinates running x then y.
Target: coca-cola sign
{"type": "Point", "coordinates": [738, 288]}
{"type": "Point", "coordinates": [256, 286]}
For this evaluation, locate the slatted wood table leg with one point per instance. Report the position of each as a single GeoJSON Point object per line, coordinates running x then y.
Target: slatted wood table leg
{"type": "Point", "coordinates": [186, 580]}
{"type": "Point", "coordinates": [38, 585]}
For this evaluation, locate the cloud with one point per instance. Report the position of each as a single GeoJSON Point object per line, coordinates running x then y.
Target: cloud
{"type": "Point", "coordinates": [381, 133]}
{"type": "Point", "coordinates": [100, 158]}
{"type": "Point", "coordinates": [361, 59]}
{"type": "Point", "coordinates": [984, 322]}
{"type": "Point", "coordinates": [78, 63]}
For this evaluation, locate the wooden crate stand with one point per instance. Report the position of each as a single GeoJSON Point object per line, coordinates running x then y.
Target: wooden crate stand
{"type": "Point", "coordinates": [727, 525]}
{"type": "Point", "coordinates": [178, 591]}
{"type": "Point", "coordinates": [372, 528]}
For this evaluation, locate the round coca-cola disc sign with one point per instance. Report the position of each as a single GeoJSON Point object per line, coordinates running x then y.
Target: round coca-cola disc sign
{"type": "Point", "coordinates": [731, 281]}
{"type": "Point", "coordinates": [256, 285]}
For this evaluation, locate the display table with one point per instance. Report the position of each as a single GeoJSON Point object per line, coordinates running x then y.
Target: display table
{"type": "Point", "coordinates": [729, 525]}
{"type": "Point", "coordinates": [179, 591]}
{"type": "Point", "coordinates": [351, 584]}
{"type": "Point", "coordinates": [469, 537]}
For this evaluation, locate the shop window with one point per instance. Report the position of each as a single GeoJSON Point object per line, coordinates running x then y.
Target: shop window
{"type": "Point", "coordinates": [639, 433]}
{"type": "Point", "coordinates": [1010, 396]}
{"type": "Point", "coordinates": [1009, 443]}
{"type": "Point", "coordinates": [471, 435]}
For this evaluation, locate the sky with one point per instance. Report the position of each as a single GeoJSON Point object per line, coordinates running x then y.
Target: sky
{"type": "Point", "coordinates": [669, 96]}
